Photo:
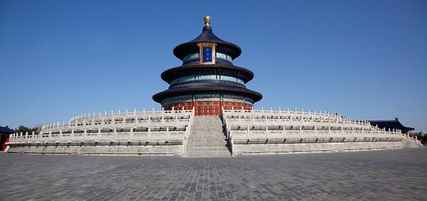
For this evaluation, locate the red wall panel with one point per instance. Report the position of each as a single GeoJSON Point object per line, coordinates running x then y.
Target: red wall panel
{"type": "Point", "coordinates": [209, 107]}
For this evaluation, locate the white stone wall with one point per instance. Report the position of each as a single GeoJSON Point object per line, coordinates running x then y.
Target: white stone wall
{"type": "Point", "coordinates": [248, 149]}
{"type": "Point", "coordinates": [100, 150]}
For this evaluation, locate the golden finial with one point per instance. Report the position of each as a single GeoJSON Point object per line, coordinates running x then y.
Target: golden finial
{"type": "Point", "coordinates": [207, 21]}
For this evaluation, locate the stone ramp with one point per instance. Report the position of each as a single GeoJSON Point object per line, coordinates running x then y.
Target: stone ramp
{"type": "Point", "coordinates": [207, 138]}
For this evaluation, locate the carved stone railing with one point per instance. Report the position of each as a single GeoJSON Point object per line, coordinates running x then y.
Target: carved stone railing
{"type": "Point", "coordinates": [161, 127]}
{"type": "Point", "coordinates": [301, 126]}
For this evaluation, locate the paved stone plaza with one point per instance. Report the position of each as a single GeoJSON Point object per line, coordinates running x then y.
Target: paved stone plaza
{"type": "Point", "coordinates": [379, 175]}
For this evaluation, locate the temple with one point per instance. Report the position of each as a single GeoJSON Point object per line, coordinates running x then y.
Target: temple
{"type": "Point", "coordinates": [207, 79]}
{"type": "Point", "coordinates": [207, 111]}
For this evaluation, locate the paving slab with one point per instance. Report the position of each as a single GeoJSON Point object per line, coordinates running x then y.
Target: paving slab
{"type": "Point", "coordinates": [377, 175]}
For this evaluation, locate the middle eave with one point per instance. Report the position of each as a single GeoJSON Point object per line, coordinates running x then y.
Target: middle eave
{"type": "Point", "coordinates": [190, 69]}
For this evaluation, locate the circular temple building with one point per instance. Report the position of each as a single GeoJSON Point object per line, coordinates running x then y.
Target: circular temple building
{"type": "Point", "coordinates": [207, 79]}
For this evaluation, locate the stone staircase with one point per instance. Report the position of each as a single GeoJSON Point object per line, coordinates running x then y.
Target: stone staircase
{"type": "Point", "coordinates": [410, 142]}
{"type": "Point", "coordinates": [207, 138]}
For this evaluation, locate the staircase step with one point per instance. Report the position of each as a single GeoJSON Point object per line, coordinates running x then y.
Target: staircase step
{"type": "Point", "coordinates": [207, 138]}
{"type": "Point", "coordinates": [208, 149]}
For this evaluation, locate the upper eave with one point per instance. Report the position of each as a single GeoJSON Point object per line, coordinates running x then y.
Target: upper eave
{"type": "Point", "coordinates": [207, 36]}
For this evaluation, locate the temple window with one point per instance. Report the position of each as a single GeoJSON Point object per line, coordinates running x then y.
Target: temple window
{"type": "Point", "coordinates": [193, 57]}
{"type": "Point", "coordinates": [207, 77]}
{"type": "Point", "coordinates": [222, 56]}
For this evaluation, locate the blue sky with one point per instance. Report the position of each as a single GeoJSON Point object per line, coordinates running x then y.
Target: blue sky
{"type": "Point", "coordinates": [363, 59]}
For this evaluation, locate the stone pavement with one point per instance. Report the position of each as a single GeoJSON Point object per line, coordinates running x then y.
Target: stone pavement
{"type": "Point", "coordinates": [379, 175]}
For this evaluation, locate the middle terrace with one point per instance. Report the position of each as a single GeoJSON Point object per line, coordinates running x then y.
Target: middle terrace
{"type": "Point", "coordinates": [148, 132]}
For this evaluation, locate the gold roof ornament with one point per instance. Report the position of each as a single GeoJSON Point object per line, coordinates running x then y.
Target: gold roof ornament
{"type": "Point", "coordinates": [207, 21]}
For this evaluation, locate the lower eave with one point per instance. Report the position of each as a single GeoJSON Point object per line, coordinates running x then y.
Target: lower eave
{"type": "Point", "coordinates": [255, 96]}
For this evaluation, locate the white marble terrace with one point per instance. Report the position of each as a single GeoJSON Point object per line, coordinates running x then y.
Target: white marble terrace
{"type": "Point", "coordinates": [248, 131]}
{"type": "Point", "coordinates": [285, 127]}
{"type": "Point", "coordinates": [142, 127]}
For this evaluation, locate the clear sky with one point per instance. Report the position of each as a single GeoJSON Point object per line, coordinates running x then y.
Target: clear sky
{"type": "Point", "coordinates": [363, 59]}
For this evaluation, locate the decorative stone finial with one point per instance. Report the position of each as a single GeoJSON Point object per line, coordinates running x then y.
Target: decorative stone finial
{"type": "Point", "coordinates": [207, 21]}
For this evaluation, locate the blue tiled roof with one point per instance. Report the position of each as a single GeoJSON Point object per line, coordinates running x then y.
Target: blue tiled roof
{"type": "Point", "coordinates": [391, 124]}
{"type": "Point", "coordinates": [5, 130]}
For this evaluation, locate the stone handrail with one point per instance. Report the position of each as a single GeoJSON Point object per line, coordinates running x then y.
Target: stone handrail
{"type": "Point", "coordinates": [172, 125]}
{"type": "Point", "coordinates": [246, 124]}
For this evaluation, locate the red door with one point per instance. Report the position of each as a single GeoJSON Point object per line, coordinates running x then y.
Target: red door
{"type": "Point", "coordinates": [207, 108]}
